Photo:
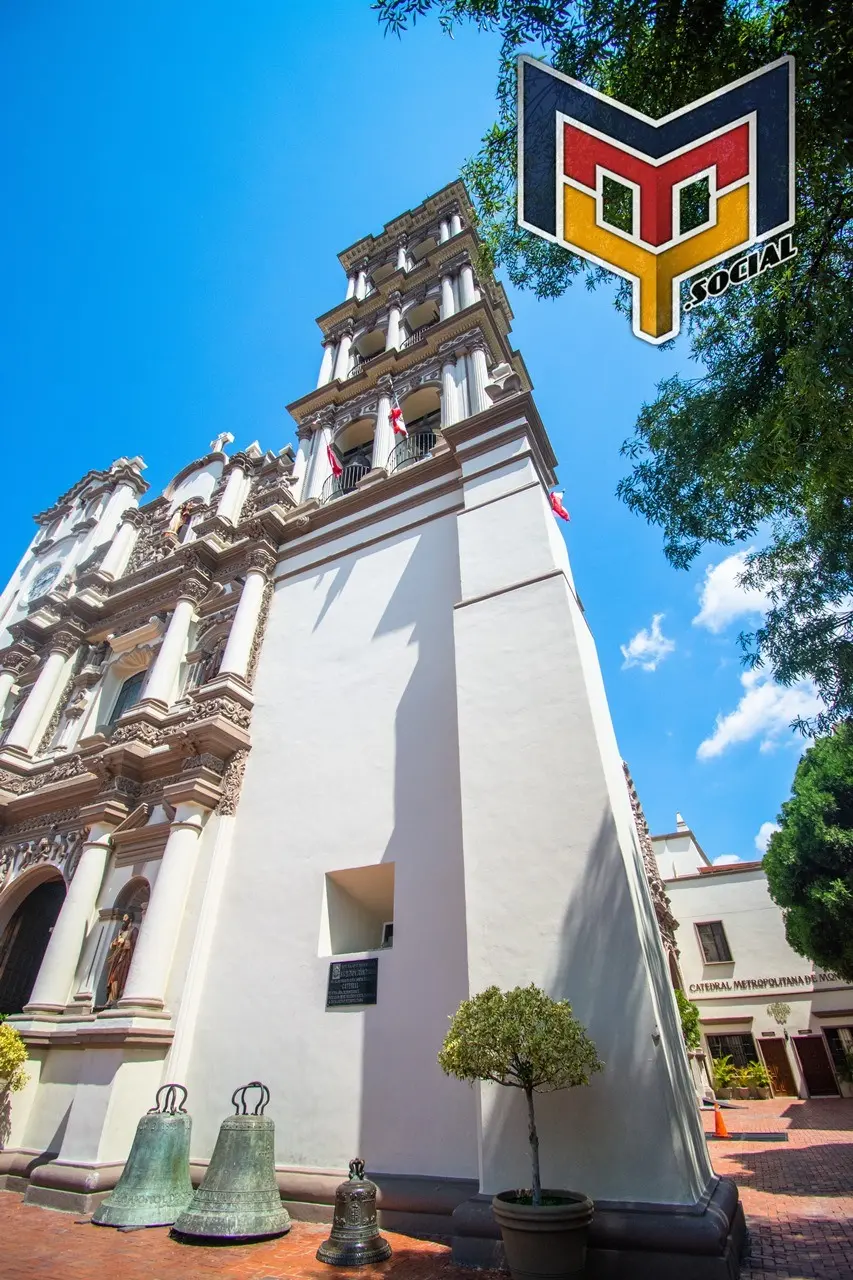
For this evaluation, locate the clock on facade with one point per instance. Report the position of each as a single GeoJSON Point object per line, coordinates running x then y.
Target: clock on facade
{"type": "Point", "coordinates": [43, 581]}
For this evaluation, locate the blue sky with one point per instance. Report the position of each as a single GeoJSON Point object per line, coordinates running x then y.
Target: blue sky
{"type": "Point", "coordinates": [179, 179]}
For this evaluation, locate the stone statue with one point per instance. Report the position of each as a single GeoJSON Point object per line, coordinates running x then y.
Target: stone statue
{"type": "Point", "coordinates": [119, 957]}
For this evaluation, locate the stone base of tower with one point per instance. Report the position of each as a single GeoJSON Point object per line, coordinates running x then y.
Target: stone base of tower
{"type": "Point", "coordinates": [630, 1241]}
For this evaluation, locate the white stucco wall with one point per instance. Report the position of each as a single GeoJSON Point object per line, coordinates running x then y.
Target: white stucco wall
{"type": "Point", "coordinates": [354, 763]}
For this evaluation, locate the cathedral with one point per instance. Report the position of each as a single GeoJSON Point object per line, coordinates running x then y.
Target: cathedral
{"type": "Point", "coordinates": [306, 749]}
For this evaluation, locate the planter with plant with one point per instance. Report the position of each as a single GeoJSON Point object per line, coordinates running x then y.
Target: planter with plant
{"type": "Point", "coordinates": [13, 1055]}
{"type": "Point", "coordinates": [525, 1040]}
{"type": "Point", "coordinates": [725, 1075]}
{"type": "Point", "coordinates": [741, 1083]}
{"type": "Point", "coordinates": [758, 1079]}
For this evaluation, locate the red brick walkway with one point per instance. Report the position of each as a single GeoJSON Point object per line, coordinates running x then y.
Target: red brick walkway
{"type": "Point", "coordinates": [798, 1197]}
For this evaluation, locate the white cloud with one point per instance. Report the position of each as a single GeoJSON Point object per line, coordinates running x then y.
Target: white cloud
{"type": "Point", "coordinates": [722, 598]}
{"type": "Point", "coordinates": [725, 860]}
{"type": "Point", "coordinates": [765, 831]}
{"type": "Point", "coordinates": [648, 647]}
{"type": "Point", "coordinates": [765, 711]}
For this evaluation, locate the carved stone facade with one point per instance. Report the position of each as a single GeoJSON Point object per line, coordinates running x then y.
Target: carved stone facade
{"type": "Point", "coordinates": [60, 849]}
{"type": "Point", "coordinates": [667, 923]}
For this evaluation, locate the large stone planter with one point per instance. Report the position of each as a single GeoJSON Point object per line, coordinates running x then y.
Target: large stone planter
{"type": "Point", "coordinates": [544, 1242]}
{"type": "Point", "coordinates": [741, 1092]}
{"type": "Point", "coordinates": [723, 1093]}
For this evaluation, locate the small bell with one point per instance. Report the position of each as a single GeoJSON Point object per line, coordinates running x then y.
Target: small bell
{"type": "Point", "coordinates": [239, 1197]}
{"type": "Point", "coordinates": [155, 1183]}
{"type": "Point", "coordinates": [355, 1240]}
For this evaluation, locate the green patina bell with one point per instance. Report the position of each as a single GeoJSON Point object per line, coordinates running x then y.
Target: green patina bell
{"type": "Point", "coordinates": [239, 1197]}
{"type": "Point", "coordinates": [355, 1240]}
{"type": "Point", "coordinates": [155, 1186]}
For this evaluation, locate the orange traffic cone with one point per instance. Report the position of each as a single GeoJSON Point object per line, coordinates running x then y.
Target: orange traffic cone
{"type": "Point", "coordinates": [720, 1130]}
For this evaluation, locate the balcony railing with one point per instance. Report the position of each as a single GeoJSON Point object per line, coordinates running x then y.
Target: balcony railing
{"type": "Point", "coordinates": [418, 334]}
{"type": "Point", "coordinates": [361, 362]}
{"type": "Point", "coordinates": [337, 486]}
{"type": "Point", "coordinates": [414, 448]}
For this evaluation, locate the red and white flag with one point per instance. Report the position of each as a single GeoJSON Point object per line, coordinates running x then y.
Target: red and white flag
{"type": "Point", "coordinates": [337, 469]}
{"type": "Point", "coordinates": [396, 417]}
{"type": "Point", "coordinates": [556, 500]}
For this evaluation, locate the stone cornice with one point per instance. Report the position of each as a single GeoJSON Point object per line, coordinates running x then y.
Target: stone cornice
{"type": "Point", "coordinates": [463, 247]}
{"type": "Point", "coordinates": [121, 472]}
{"type": "Point", "coordinates": [409, 222]}
{"type": "Point", "coordinates": [396, 362]}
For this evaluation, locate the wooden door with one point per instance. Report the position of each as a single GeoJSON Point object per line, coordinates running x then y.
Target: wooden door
{"type": "Point", "coordinates": [817, 1068]}
{"type": "Point", "coordinates": [776, 1061]}
{"type": "Point", "coordinates": [24, 943]}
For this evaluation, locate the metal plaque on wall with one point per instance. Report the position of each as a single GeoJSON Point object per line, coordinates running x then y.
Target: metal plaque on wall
{"type": "Point", "coordinates": [352, 982]}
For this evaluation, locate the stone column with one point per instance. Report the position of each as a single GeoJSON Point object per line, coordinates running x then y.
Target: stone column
{"type": "Point", "coordinates": [53, 984]}
{"type": "Point", "coordinates": [342, 360]}
{"type": "Point", "coordinates": [383, 438]}
{"type": "Point", "coordinates": [160, 684]}
{"type": "Point", "coordinates": [402, 254]}
{"type": "Point", "coordinates": [350, 285]}
{"type": "Point", "coordinates": [234, 494]}
{"type": "Point", "coordinates": [7, 679]}
{"type": "Point", "coordinates": [455, 224]}
{"type": "Point", "coordinates": [300, 462]}
{"type": "Point", "coordinates": [328, 362]}
{"type": "Point", "coordinates": [443, 231]}
{"type": "Point", "coordinates": [238, 650]}
{"type": "Point", "coordinates": [466, 285]}
{"type": "Point", "coordinates": [361, 281]}
{"type": "Point", "coordinates": [479, 377]}
{"type": "Point", "coordinates": [449, 410]}
{"type": "Point", "coordinates": [463, 388]}
{"type": "Point", "coordinates": [394, 312]}
{"type": "Point", "coordinates": [447, 302]}
{"type": "Point", "coordinates": [152, 959]}
{"type": "Point", "coordinates": [320, 468]}
{"type": "Point", "coordinates": [117, 558]}
{"type": "Point", "coordinates": [24, 732]}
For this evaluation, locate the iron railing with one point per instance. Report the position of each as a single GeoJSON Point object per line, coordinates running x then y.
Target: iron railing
{"type": "Point", "coordinates": [417, 335]}
{"type": "Point", "coordinates": [414, 448]}
{"type": "Point", "coordinates": [337, 486]}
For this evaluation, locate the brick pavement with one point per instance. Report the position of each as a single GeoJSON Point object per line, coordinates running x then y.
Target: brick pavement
{"type": "Point", "coordinates": [798, 1198]}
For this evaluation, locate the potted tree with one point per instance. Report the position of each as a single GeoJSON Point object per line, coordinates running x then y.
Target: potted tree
{"type": "Point", "coordinates": [525, 1040]}
{"type": "Point", "coordinates": [759, 1080]}
{"type": "Point", "coordinates": [13, 1055]}
{"type": "Point", "coordinates": [725, 1075]}
{"type": "Point", "coordinates": [741, 1082]}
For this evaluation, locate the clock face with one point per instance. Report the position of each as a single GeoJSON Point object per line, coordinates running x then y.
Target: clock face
{"type": "Point", "coordinates": [43, 581]}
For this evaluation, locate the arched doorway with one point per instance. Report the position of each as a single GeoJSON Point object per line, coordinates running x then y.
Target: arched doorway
{"type": "Point", "coordinates": [24, 942]}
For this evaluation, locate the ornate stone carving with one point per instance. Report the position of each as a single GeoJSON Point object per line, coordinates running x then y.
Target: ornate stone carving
{"type": "Point", "coordinates": [153, 543]}
{"type": "Point", "coordinates": [261, 560]}
{"type": "Point", "coordinates": [193, 588]}
{"type": "Point", "coordinates": [226, 707]}
{"type": "Point", "coordinates": [258, 640]}
{"type": "Point", "coordinates": [61, 848]}
{"type": "Point", "coordinates": [232, 783]}
{"type": "Point", "coordinates": [64, 641]}
{"type": "Point", "coordinates": [139, 731]}
{"type": "Point", "coordinates": [204, 761]}
{"type": "Point", "coordinates": [70, 768]}
{"type": "Point", "coordinates": [11, 782]}
{"type": "Point", "coordinates": [667, 924]}
{"type": "Point", "coordinates": [17, 658]}
{"type": "Point", "coordinates": [62, 704]}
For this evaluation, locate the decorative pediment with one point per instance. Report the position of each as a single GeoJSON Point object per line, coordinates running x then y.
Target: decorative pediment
{"type": "Point", "coordinates": [61, 849]}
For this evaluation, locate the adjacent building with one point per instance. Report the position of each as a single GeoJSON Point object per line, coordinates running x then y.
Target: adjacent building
{"type": "Point", "coordinates": [308, 748]}
{"type": "Point", "coordinates": [758, 999]}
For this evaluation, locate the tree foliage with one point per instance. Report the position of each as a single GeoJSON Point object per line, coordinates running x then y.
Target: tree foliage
{"type": "Point", "coordinates": [523, 1039]}
{"type": "Point", "coordinates": [757, 445]}
{"type": "Point", "coordinates": [13, 1055]}
{"type": "Point", "coordinates": [809, 861]}
{"type": "Point", "coordinates": [689, 1014]}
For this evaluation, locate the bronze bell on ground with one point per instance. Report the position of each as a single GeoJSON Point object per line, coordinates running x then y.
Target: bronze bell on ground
{"type": "Point", "coordinates": [155, 1183]}
{"type": "Point", "coordinates": [355, 1240]}
{"type": "Point", "coordinates": [239, 1197]}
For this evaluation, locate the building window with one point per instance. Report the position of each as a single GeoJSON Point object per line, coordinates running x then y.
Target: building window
{"type": "Point", "coordinates": [359, 912]}
{"type": "Point", "coordinates": [840, 1043]}
{"type": "Point", "coordinates": [128, 696]}
{"type": "Point", "coordinates": [712, 940]}
{"type": "Point", "coordinates": [741, 1049]}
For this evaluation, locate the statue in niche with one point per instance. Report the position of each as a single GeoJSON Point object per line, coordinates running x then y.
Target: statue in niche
{"type": "Point", "coordinates": [119, 957]}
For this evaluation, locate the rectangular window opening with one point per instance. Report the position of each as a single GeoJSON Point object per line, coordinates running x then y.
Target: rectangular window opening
{"type": "Point", "coordinates": [741, 1049]}
{"type": "Point", "coordinates": [359, 910]}
{"type": "Point", "coordinates": [712, 940]}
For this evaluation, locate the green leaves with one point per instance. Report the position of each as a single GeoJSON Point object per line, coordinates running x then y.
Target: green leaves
{"type": "Point", "coordinates": [13, 1055]}
{"type": "Point", "coordinates": [521, 1038]}
{"type": "Point", "coordinates": [689, 1014]}
{"type": "Point", "coordinates": [809, 861]}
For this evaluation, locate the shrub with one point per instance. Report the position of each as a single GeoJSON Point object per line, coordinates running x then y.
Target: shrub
{"type": "Point", "coordinates": [13, 1055]}
{"type": "Point", "coordinates": [689, 1013]}
{"type": "Point", "coordinates": [523, 1039]}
